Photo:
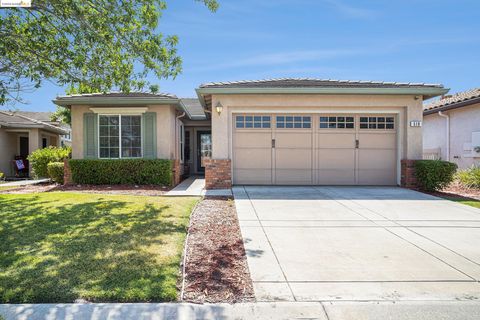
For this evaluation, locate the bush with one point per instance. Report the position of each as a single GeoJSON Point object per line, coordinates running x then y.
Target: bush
{"type": "Point", "coordinates": [434, 175]}
{"type": "Point", "coordinates": [39, 159]}
{"type": "Point", "coordinates": [55, 171]}
{"type": "Point", "coordinates": [470, 177]}
{"type": "Point", "coordinates": [122, 171]}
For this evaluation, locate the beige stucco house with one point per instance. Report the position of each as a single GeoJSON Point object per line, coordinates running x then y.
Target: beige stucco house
{"type": "Point", "coordinates": [268, 132]}
{"type": "Point", "coordinates": [21, 134]}
{"type": "Point", "coordinates": [451, 129]}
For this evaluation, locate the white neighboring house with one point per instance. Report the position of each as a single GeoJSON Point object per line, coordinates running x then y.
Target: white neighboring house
{"type": "Point", "coordinates": [451, 129]}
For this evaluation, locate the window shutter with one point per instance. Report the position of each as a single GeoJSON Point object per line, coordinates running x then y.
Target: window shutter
{"type": "Point", "coordinates": [150, 135]}
{"type": "Point", "coordinates": [90, 136]}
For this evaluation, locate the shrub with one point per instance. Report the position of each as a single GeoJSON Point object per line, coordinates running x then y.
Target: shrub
{"type": "Point", "coordinates": [122, 171]}
{"type": "Point", "coordinates": [55, 171]}
{"type": "Point", "coordinates": [39, 159]}
{"type": "Point", "coordinates": [2, 175]}
{"type": "Point", "coordinates": [470, 177]}
{"type": "Point", "coordinates": [434, 175]}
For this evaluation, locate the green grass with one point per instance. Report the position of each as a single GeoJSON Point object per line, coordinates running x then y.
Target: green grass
{"type": "Point", "coordinates": [472, 203]}
{"type": "Point", "coordinates": [59, 247]}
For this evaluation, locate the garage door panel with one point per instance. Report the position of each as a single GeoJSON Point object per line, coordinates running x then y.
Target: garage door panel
{"type": "Point", "coordinates": [376, 159]}
{"type": "Point", "coordinates": [376, 176]}
{"type": "Point", "coordinates": [293, 159]}
{"type": "Point", "coordinates": [293, 140]}
{"type": "Point", "coordinates": [336, 140]}
{"type": "Point", "coordinates": [293, 176]}
{"type": "Point", "coordinates": [336, 176]}
{"type": "Point", "coordinates": [336, 159]}
{"type": "Point", "coordinates": [253, 139]}
{"type": "Point", "coordinates": [252, 176]}
{"type": "Point", "coordinates": [253, 158]}
{"type": "Point", "coordinates": [377, 140]}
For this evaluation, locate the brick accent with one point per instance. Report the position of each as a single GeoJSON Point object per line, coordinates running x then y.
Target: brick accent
{"type": "Point", "coordinates": [67, 173]}
{"type": "Point", "coordinates": [408, 178]}
{"type": "Point", "coordinates": [177, 172]}
{"type": "Point", "coordinates": [218, 174]}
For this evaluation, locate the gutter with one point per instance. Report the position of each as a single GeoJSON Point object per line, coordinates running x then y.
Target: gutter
{"type": "Point", "coordinates": [452, 106]}
{"type": "Point", "coordinates": [447, 137]}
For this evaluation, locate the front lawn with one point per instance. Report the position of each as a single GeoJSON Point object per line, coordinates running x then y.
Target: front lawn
{"type": "Point", "coordinates": [468, 202]}
{"type": "Point", "coordinates": [60, 247]}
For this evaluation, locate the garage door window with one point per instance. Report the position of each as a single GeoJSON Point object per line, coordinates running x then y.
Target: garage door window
{"type": "Point", "coordinates": [337, 122]}
{"type": "Point", "coordinates": [294, 122]}
{"type": "Point", "coordinates": [250, 121]}
{"type": "Point", "coordinates": [377, 123]}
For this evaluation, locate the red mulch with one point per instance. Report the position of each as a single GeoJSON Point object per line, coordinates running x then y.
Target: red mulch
{"type": "Point", "coordinates": [147, 190]}
{"type": "Point", "coordinates": [216, 267]}
{"type": "Point", "coordinates": [457, 191]}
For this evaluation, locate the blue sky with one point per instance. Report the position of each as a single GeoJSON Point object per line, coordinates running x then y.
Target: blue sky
{"type": "Point", "coordinates": [434, 41]}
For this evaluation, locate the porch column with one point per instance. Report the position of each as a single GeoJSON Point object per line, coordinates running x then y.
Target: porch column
{"type": "Point", "coordinates": [33, 143]}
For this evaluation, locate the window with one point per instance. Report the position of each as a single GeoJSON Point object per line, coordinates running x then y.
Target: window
{"type": "Point", "coordinates": [294, 122]}
{"type": "Point", "coordinates": [250, 121]}
{"type": "Point", "coordinates": [337, 122]}
{"type": "Point", "coordinates": [186, 151]}
{"type": "Point", "coordinates": [377, 123]}
{"type": "Point", "coordinates": [120, 136]}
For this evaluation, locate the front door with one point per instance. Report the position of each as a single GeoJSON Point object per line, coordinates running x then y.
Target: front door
{"type": "Point", "coordinates": [24, 147]}
{"type": "Point", "coordinates": [204, 148]}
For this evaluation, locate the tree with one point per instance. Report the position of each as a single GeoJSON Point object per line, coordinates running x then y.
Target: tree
{"type": "Point", "coordinates": [91, 45]}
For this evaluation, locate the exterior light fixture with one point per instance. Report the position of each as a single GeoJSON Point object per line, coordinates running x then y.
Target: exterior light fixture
{"type": "Point", "coordinates": [219, 108]}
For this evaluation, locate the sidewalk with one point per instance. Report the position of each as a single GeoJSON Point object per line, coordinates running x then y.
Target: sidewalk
{"type": "Point", "coordinates": [20, 183]}
{"type": "Point", "coordinates": [419, 310]}
{"type": "Point", "coordinates": [195, 186]}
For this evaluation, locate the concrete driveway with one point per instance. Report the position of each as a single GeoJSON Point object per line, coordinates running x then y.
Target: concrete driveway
{"type": "Point", "coordinates": [358, 244]}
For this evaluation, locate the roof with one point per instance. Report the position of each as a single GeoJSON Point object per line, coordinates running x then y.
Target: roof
{"type": "Point", "coordinates": [15, 120]}
{"type": "Point", "coordinates": [460, 99]}
{"type": "Point", "coordinates": [42, 116]}
{"type": "Point", "coordinates": [315, 83]}
{"type": "Point", "coordinates": [194, 108]}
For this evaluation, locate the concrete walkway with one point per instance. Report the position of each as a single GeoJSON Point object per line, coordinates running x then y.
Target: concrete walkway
{"type": "Point", "coordinates": [358, 244]}
{"type": "Point", "coordinates": [284, 310]}
{"type": "Point", "coordinates": [195, 186]}
{"type": "Point", "coordinates": [20, 183]}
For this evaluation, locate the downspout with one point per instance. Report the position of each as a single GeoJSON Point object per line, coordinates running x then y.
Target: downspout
{"type": "Point", "coordinates": [176, 133]}
{"type": "Point", "coordinates": [447, 143]}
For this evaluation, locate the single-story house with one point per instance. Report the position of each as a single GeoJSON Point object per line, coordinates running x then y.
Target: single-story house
{"type": "Point", "coordinates": [46, 116]}
{"type": "Point", "coordinates": [451, 129]}
{"type": "Point", "coordinates": [20, 135]}
{"type": "Point", "coordinates": [267, 132]}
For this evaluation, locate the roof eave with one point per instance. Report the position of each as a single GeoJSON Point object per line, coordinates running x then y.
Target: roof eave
{"type": "Point", "coordinates": [427, 92]}
{"type": "Point", "coordinates": [451, 106]}
{"type": "Point", "coordinates": [102, 101]}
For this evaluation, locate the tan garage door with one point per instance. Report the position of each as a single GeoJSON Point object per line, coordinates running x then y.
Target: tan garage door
{"type": "Point", "coordinates": [322, 149]}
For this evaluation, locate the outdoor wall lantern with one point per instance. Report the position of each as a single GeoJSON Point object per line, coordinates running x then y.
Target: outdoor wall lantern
{"type": "Point", "coordinates": [219, 108]}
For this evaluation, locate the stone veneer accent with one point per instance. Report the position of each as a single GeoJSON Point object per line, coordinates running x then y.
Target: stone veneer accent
{"type": "Point", "coordinates": [408, 178]}
{"type": "Point", "coordinates": [67, 173]}
{"type": "Point", "coordinates": [177, 172]}
{"type": "Point", "coordinates": [218, 174]}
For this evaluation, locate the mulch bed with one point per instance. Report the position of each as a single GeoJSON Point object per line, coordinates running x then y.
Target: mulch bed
{"type": "Point", "coordinates": [457, 191]}
{"type": "Point", "coordinates": [147, 190]}
{"type": "Point", "coordinates": [216, 267]}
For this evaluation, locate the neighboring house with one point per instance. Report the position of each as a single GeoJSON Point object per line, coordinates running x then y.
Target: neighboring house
{"type": "Point", "coordinates": [20, 135]}
{"type": "Point", "coordinates": [269, 132]}
{"type": "Point", "coordinates": [65, 139]}
{"type": "Point", "coordinates": [451, 129]}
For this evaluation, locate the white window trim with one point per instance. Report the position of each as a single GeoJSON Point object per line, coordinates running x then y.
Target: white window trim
{"type": "Point", "coordinates": [120, 135]}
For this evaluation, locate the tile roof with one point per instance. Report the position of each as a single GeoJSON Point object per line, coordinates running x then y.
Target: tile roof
{"type": "Point", "coordinates": [122, 95]}
{"type": "Point", "coordinates": [42, 116]}
{"type": "Point", "coordinates": [311, 83]}
{"type": "Point", "coordinates": [450, 100]}
{"type": "Point", "coordinates": [16, 120]}
{"type": "Point", "coordinates": [193, 107]}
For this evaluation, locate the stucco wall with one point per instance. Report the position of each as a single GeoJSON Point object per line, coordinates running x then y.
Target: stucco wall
{"type": "Point", "coordinates": [463, 121]}
{"type": "Point", "coordinates": [166, 118]}
{"type": "Point", "coordinates": [8, 147]}
{"type": "Point", "coordinates": [407, 107]}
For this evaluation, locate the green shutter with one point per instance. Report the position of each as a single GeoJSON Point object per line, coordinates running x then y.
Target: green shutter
{"type": "Point", "coordinates": [90, 136]}
{"type": "Point", "coordinates": [150, 135]}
